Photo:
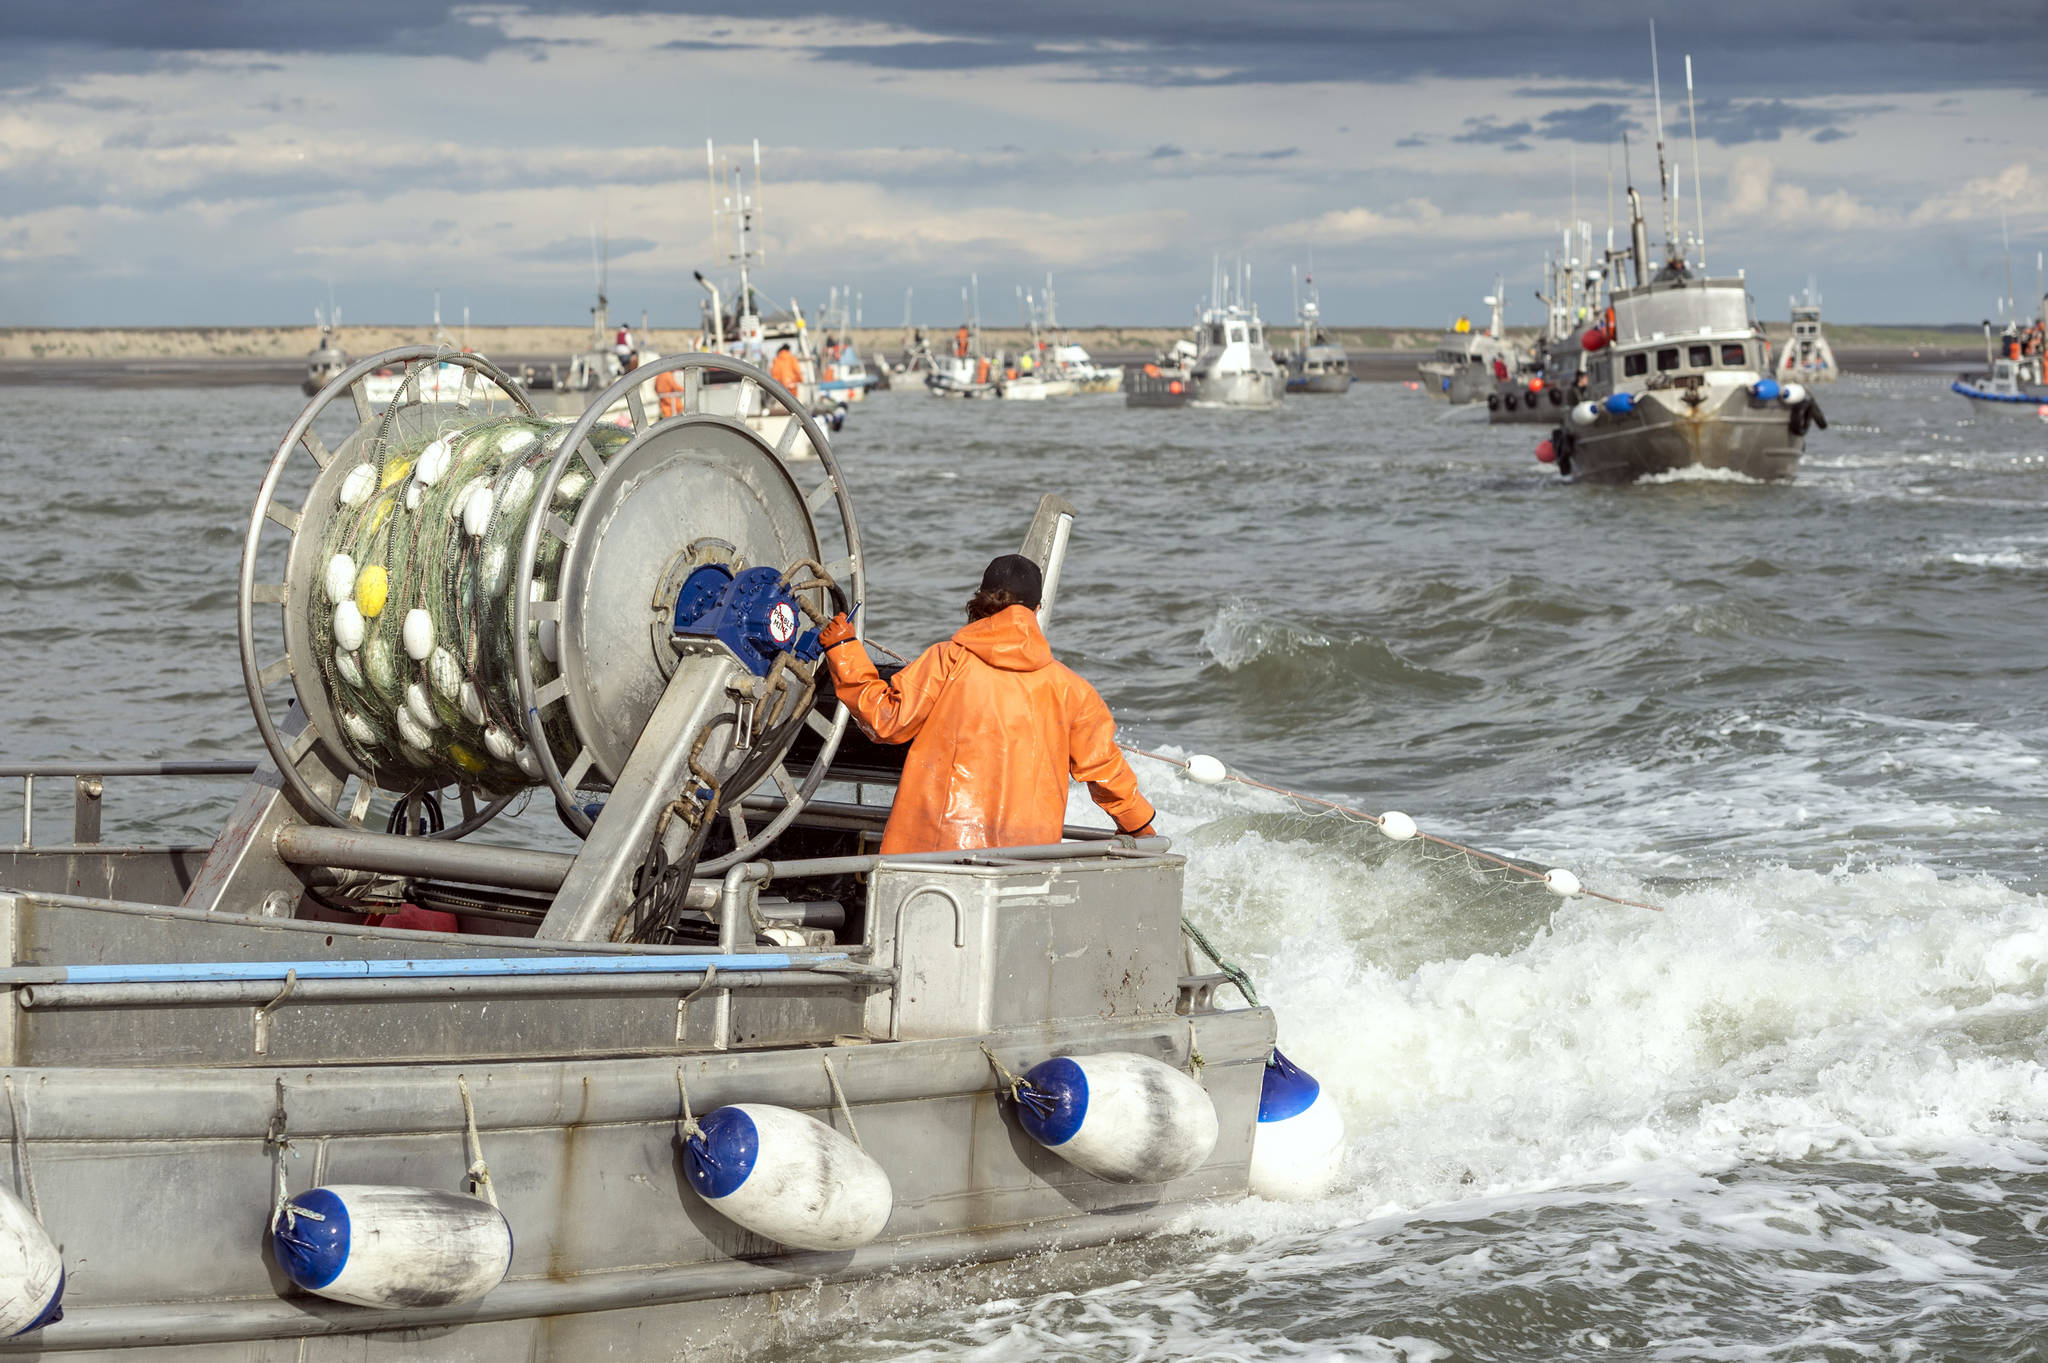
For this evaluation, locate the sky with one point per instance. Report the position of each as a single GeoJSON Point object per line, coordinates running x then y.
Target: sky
{"type": "Point", "coordinates": [240, 162]}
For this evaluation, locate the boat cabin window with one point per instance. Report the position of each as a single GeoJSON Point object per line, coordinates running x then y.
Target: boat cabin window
{"type": "Point", "coordinates": [1700, 357]}
{"type": "Point", "coordinates": [1667, 359]}
{"type": "Point", "coordinates": [1638, 363]}
{"type": "Point", "coordinates": [1734, 356]}
{"type": "Point", "coordinates": [1237, 335]}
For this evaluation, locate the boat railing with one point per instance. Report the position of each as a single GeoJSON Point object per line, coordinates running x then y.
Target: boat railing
{"type": "Point", "coordinates": [88, 784]}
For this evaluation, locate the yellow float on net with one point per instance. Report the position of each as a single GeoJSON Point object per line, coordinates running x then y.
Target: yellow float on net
{"type": "Point", "coordinates": [373, 585]}
{"type": "Point", "coordinates": [394, 471]}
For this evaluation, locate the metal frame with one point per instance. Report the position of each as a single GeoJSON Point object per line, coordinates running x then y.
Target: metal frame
{"type": "Point", "coordinates": [752, 382]}
{"type": "Point", "coordinates": [257, 677]}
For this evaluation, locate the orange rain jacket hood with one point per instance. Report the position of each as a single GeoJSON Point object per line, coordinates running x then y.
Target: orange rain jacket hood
{"type": "Point", "coordinates": [996, 728]}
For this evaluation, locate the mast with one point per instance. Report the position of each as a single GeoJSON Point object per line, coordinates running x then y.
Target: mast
{"type": "Point", "coordinates": [1699, 202]}
{"type": "Point", "coordinates": [1663, 176]}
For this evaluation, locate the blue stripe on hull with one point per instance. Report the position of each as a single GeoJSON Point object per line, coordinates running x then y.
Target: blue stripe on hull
{"type": "Point", "coordinates": [429, 968]}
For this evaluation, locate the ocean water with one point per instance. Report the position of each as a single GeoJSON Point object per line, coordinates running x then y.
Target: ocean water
{"type": "Point", "coordinates": [1801, 1112]}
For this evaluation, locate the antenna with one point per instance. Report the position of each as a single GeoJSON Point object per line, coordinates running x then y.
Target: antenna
{"type": "Point", "coordinates": [2004, 237]}
{"type": "Point", "coordinates": [761, 252]}
{"type": "Point", "coordinates": [1699, 202]}
{"type": "Point", "coordinates": [1663, 177]}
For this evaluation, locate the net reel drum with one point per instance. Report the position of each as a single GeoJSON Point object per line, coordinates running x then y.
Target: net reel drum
{"type": "Point", "coordinates": [477, 602]}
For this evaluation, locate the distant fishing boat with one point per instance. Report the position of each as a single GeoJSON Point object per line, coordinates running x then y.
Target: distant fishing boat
{"type": "Point", "coordinates": [1678, 376]}
{"type": "Point", "coordinates": [843, 375]}
{"type": "Point", "coordinates": [1462, 370]}
{"type": "Point", "coordinates": [1551, 376]}
{"type": "Point", "coordinates": [1807, 357]}
{"type": "Point", "coordinates": [965, 371]}
{"type": "Point", "coordinates": [326, 358]}
{"type": "Point", "coordinates": [1317, 364]}
{"type": "Point", "coordinates": [1162, 382]}
{"type": "Point", "coordinates": [2013, 379]}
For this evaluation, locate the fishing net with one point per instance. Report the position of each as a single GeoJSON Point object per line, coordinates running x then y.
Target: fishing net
{"type": "Point", "coordinates": [418, 571]}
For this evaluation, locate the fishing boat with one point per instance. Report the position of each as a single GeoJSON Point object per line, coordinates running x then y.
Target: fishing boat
{"type": "Point", "coordinates": [744, 322]}
{"type": "Point", "coordinates": [965, 370]}
{"type": "Point", "coordinates": [1317, 364]}
{"type": "Point", "coordinates": [1679, 375]}
{"type": "Point", "coordinates": [843, 376]}
{"type": "Point", "coordinates": [1807, 356]}
{"type": "Point", "coordinates": [1162, 381]}
{"type": "Point", "coordinates": [1463, 368]}
{"type": "Point", "coordinates": [368, 1077]}
{"type": "Point", "coordinates": [326, 358]}
{"type": "Point", "coordinates": [1552, 376]}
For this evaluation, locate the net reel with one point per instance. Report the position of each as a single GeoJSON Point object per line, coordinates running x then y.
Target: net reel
{"type": "Point", "coordinates": [479, 601]}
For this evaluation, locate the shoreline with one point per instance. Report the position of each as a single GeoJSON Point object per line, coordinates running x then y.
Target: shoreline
{"type": "Point", "coordinates": [1377, 365]}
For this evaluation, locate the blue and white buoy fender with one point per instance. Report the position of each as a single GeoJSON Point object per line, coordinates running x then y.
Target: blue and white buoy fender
{"type": "Point", "coordinates": [388, 1247]}
{"type": "Point", "coordinates": [788, 1176]}
{"type": "Point", "coordinates": [31, 1270]}
{"type": "Point", "coordinates": [1123, 1118]}
{"type": "Point", "coordinates": [1299, 1143]}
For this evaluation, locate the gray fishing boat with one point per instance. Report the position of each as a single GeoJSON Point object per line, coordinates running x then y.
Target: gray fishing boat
{"type": "Point", "coordinates": [1463, 368]}
{"type": "Point", "coordinates": [1317, 364]}
{"type": "Point", "coordinates": [1552, 375]}
{"type": "Point", "coordinates": [1807, 356]}
{"type": "Point", "coordinates": [327, 358]}
{"type": "Point", "coordinates": [1679, 374]}
{"type": "Point", "coordinates": [367, 1078]}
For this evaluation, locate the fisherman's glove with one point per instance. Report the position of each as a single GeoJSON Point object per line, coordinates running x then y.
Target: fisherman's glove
{"type": "Point", "coordinates": [838, 630]}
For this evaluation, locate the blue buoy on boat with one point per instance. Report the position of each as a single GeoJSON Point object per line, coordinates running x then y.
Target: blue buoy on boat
{"type": "Point", "coordinates": [390, 1247]}
{"type": "Point", "coordinates": [31, 1270]}
{"type": "Point", "coordinates": [788, 1176]}
{"type": "Point", "coordinates": [1299, 1143]}
{"type": "Point", "coordinates": [1123, 1118]}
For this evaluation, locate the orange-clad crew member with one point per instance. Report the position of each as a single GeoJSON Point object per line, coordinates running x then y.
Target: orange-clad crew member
{"type": "Point", "coordinates": [996, 727]}
{"type": "Point", "coordinates": [786, 371]}
{"type": "Point", "coordinates": [960, 343]}
{"type": "Point", "coordinates": [670, 390]}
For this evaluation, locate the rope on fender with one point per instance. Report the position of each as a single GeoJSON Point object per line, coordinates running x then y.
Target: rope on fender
{"type": "Point", "coordinates": [1235, 973]}
{"type": "Point", "coordinates": [839, 1096]}
{"type": "Point", "coordinates": [689, 1130]}
{"type": "Point", "coordinates": [479, 1172]}
{"type": "Point", "coordinates": [1360, 816]}
{"type": "Point", "coordinates": [1020, 1090]}
{"type": "Point", "coordinates": [28, 1181]}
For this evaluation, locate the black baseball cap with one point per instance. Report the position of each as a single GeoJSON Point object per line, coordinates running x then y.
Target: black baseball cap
{"type": "Point", "coordinates": [1017, 575]}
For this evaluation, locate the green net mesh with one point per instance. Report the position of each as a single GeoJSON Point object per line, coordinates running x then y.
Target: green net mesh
{"type": "Point", "coordinates": [418, 572]}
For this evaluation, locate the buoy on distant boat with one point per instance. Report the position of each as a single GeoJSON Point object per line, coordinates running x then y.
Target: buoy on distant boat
{"type": "Point", "coordinates": [1766, 390]}
{"type": "Point", "coordinates": [1397, 825]}
{"type": "Point", "coordinates": [390, 1247]}
{"type": "Point", "coordinates": [1621, 404]}
{"type": "Point", "coordinates": [1206, 770]}
{"type": "Point", "coordinates": [1585, 414]}
{"type": "Point", "coordinates": [31, 1270]}
{"type": "Point", "coordinates": [1123, 1118]}
{"type": "Point", "coordinates": [788, 1176]}
{"type": "Point", "coordinates": [1546, 453]}
{"type": "Point", "coordinates": [1562, 883]}
{"type": "Point", "coordinates": [1299, 1143]}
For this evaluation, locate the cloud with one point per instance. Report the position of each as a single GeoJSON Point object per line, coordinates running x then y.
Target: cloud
{"type": "Point", "coordinates": [1489, 129]}
{"type": "Point", "coordinates": [1415, 219]}
{"type": "Point", "coordinates": [1826, 135]}
{"type": "Point", "coordinates": [1732, 123]}
{"type": "Point", "coordinates": [1755, 195]}
{"type": "Point", "coordinates": [582, 251]}
{"type": "Point", "coordinates": [1602, 122]}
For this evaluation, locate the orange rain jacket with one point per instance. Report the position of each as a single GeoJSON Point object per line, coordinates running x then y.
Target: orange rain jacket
{"type": "Point", "coordinates": [786, 370]}
{"type": "Point", "coordinates": [996, 728]}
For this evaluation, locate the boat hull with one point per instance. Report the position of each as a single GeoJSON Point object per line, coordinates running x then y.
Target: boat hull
{"type": "Point", "coordinates": [1517, 406]}
{"type": "Point", "coordinates": [1166, 388]}
{"type": "Point", "coordinates": [1663, 434]}
{"type": "Point", "coordinates": [1251, 388]}
{"type": "Point", "coordinates": [1320, 383]}
{"type": "Point", "coordinates": [2021, 400]}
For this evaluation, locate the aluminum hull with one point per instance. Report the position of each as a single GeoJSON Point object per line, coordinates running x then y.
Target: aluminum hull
{"type": "Point", "coordinates": [1664, 434]}
{"type": "Point", "coordinates": [1320, 383]}
{"type": "Point", "coordinates": [148, 1106]}
{"type": "Point", "coordinates": [1244, 388]}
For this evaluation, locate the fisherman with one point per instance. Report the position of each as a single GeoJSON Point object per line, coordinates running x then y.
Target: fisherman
{"type": "Point", "coordinates": [786, 370]}
{"type": "Point", "coordinates": [622, 345]}
{"type": "Point", "coordinates": [996, 727]}
{"type": "Point", "coordinates": [669, 389]}
{"type": "Point", "coordinates": [960, 341]}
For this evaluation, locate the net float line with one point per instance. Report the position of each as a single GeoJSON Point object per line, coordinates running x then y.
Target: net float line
{"type": "Point", "coordinates": [1209, 771]}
